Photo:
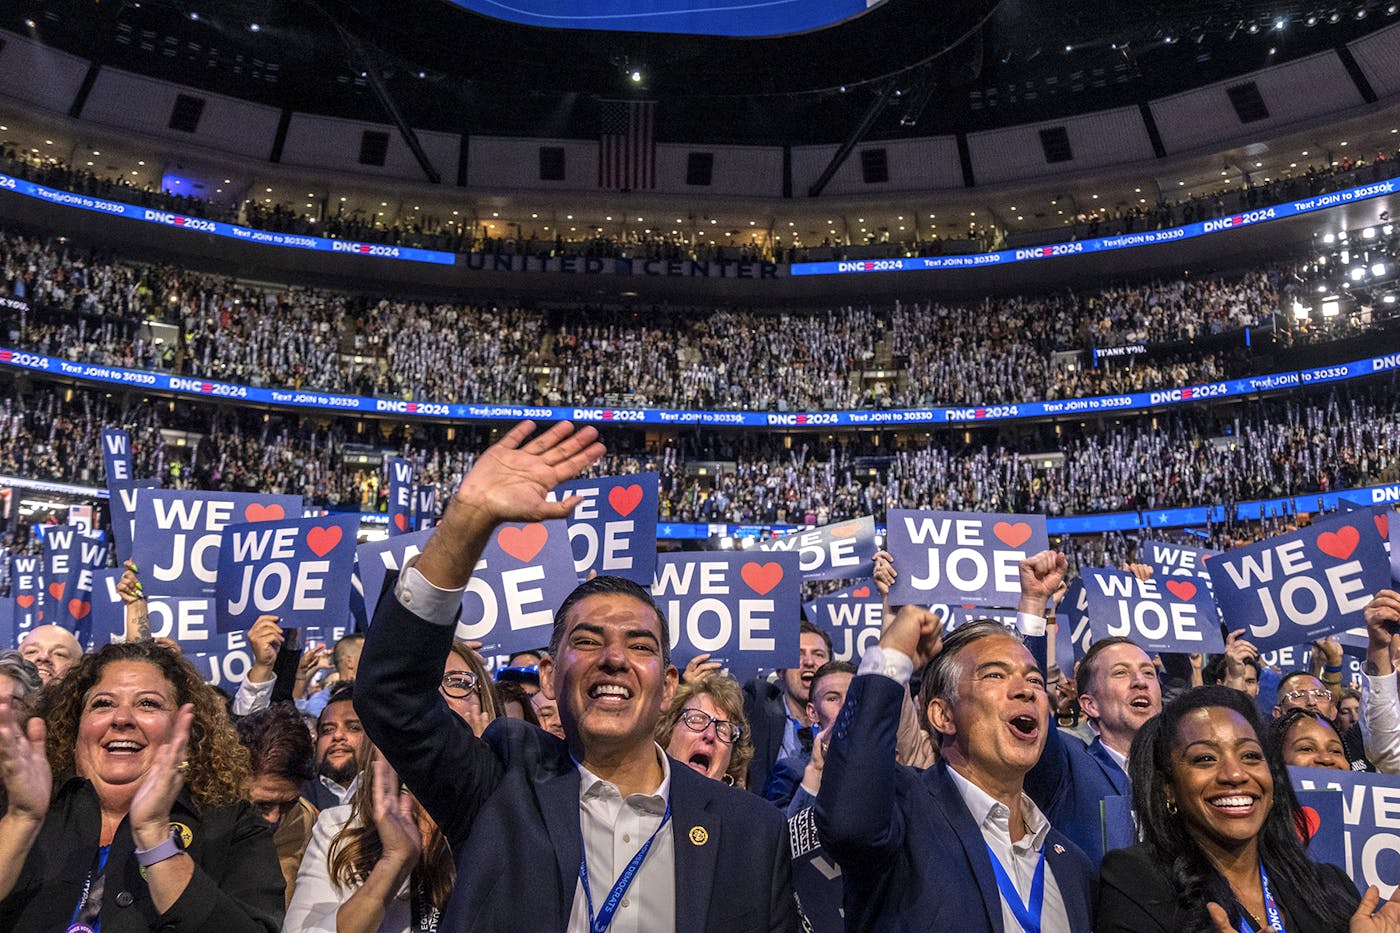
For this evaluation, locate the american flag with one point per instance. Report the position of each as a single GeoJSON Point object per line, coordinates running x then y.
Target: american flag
{"type": "Point", "coordinates": [627, 145]}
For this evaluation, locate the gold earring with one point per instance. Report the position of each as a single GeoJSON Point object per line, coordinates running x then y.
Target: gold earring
{"type": "Point", "coordinates": [1171, 807]}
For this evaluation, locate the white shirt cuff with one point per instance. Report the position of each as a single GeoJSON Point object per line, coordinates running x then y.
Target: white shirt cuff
{"type": "Point", "coordinates": [427, 600]}
{"type": "Point", "coordinates": [888, 662]}
{"type": "Point", "coordinates": [1382, 688]}
{"type": "Point", "coordinates": [1030, 624]}
{"type": "Point", "coordinates": [252, 696]}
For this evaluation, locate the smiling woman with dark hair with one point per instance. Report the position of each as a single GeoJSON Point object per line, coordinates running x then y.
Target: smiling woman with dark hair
{"type": "Point", "coordinates": [1220, 850]}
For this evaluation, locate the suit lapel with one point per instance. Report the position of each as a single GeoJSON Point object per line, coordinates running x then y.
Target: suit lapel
{"type": "Point", "coordinates": [1116, 775]}
{"type": "Point", "coordinates": [559, 804]}
{"type": "Point", "coordinates": [1069, 878]}
{"type": "Point", "coordinates": [695, 832]}
{"type": "Point", "coordinates": [947, 799]}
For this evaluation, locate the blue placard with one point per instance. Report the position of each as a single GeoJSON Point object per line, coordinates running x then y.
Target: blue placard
{"type": "Point", "coordinates": [27, 588]}
{"type": "Point", "coordinates": [1370, 805]}
{"type": "Point", "coordinates": [1073, 634]}
{"type": "Point", "coordinates": [108, 609]}
{"type": "Point", "coordinates": [400, 495]}
{"type": "Point", "coordinates": [852, 617]}
{"type": "Point", "coordinates": [613, 530]}
{"type": "Point", "coordinates": [1171, 615]}
{"type": "Point", "coordinates": [123, 508]}
{"type": "Point", "coordinates": [292, 569]}
{"type": "Point", "coordinates": [843, 551]}
{"type": "Point", "coordinates": [70, 557]}
{"type": "Point", "coordinates": [743, 609]}
{"type": "Point", "coordinates": [1325, 822]}
{"type": "Point", "coordinates": [424, 507]}
{"type": "Point", "coordinates": [9, 637]}
{"type": "Point", "coordinates": [816, 878]}
{"type": "Point", "coordinates": [181, 531]}
{"type": "Point", "coordinates": [191, 623]}
{"type": "Point", "coordinates": [524, 575]}
{"type": "Point", "coordinates": [960, 557]}
{"type": "Point", "coordinates": [1176, 560]}
{"type": "Point", "coordinates": [116, 456]}
{"type": "Point", "coordinates": [1295, 588]}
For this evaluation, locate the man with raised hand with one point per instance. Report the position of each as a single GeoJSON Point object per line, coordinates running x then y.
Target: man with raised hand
{"type": "Point", "coordinates": [599, 830]}
{"type": "Point", "coordinates": [958, 845]}
{"type": "Point", "coordinates": [1118, 692]}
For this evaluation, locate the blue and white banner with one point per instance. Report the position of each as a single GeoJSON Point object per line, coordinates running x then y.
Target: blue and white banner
{"type": "Point", "coordinates": [1295, 588]}
{"type": "Point", "coordinates": [1073, 634]}
{"type": "Point", "coordinates": [27, 588]}
{"type": "Point", "coordinates": [122, 505]}
{"type": "Point", "coordinates": [293, 569]}
{"type": "Point", "coordinates": [960, 557]}
{"type": "Point", "coordinates": [108, 609]}
{"type": "Point", "coordinates": [852, 617]}
{"type": "Point", "coordinates": [816, 878]}
{"type": "Point", "coordinates": [613, 530]}
{"type": "Point", "coordinates": [524, 575]}
{"type": "Point", "coordinates": [424, 507]}
{"type": "Point", "coordinates": [1176, 560]}
{"type": "Point", "coordinates": [9, 636]}
{"type": "Point", "coordinates": [1161, 616]}
{"type": "Point", "coordinates": [400, 495]}
{"type": "Point", "coordinates": [181, 532]}
{"type": "Point", "coordinates": [1370, 804]}
{"type": "Point", "coordinates": [743, 609]}
{"type": "Point", "coordinates": [116, 456]}
{"type": "Point", "coordinates": [844, 551]}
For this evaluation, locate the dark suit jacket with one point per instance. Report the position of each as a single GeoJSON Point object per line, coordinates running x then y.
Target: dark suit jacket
{"type": "Point", "coordinates": [912, 856]}
{"type": "Point", "coordinates": [1068, 783]}
{"type": "Point", "coordinates": [1136, 895]}
{"type": "Point", "coordinates": [508, 804]}
{"type": "Point", "coordinates": [767, 716]}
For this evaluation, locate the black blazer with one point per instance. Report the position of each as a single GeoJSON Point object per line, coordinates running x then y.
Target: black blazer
{"type": "Point", "coordinates": [767, 716]}
{"type": "Point", "coordinates": [237, 884]}
{"type": "Point", "coordinates": [508, 804]}
{"type": "Point", "coordinates": [1136, 895]}
{"type": "Point", "coordinates": [1069, 782]}
{"type": "Point", "coordinates": [912, 856]}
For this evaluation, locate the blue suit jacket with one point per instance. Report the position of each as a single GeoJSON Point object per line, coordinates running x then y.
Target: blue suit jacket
{"type": "Point", "coordinates": [912, 856]}
{"type": "Point", "coordinates": [767, 716]}
{"type": "Point", "coordinates": [1069, 782]}
{"type": "Point", "coordinates": [785, 779]}
{"type": "Point", "coordinates": [508, 804]}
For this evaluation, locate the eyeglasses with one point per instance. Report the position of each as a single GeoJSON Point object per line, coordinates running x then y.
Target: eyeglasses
{"type": "Point", "coordinates": [1300, 696]}
{"type": "Point", "coordinates": [458, 684]}
{"type": "Point", "coordinates": [697, 720]}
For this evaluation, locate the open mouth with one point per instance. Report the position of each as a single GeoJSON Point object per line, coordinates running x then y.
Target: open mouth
{"type": "Point", "coordinates": [123, 747]}
{"type": "Point", "coordinates": [1025, 726]}
{"type": "Point", "coordinates": [609, 692]}
{"type": "Point", "coordinates": [1141, 703]}
{"type": "Point", "coordinates": [1233, 805]}
{"type": "Point", "coordinates": [700, 761]}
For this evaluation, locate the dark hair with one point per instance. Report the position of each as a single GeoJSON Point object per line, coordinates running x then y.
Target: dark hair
{"type": "Point", "coordinates": [1164, 832]}
{"type": "Point", "coordinates": [607, 585]}
{"type": "Point", "coordinates": [345, 640]}
{"type": "Point", "coordinates": [809, 629]}
{"type": "Point", "coordinates": [831, 667]}
{"type": "Point", "coordinates": [1280, 727]}
{"type": "Point", "coordinates": [1084, 673]}
{"type": "Point", "coordinates": [940, 677]}
{"type": "Point", "coordinates": [1214, 671]}
{"type": "Point", "coordinates": [278, 743]}
{"type": "Point", "coordinates": [508, 691]}
{"type": "Point", "coordinates": [340, 693]}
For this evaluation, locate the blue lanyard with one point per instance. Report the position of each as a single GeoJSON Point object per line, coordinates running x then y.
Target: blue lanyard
{"type": "Point", "coordinates": [1027, 916]}
{"type": "Point", "coordinates": [1272, 915]}
{"type": "Point", "coordinates": [600, 923]}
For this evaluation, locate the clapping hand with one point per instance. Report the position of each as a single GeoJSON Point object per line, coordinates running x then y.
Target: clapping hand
{"type": "Point", "coordinates": [150, 808]}
{"type": "Point", "coordinates": [24, 766]}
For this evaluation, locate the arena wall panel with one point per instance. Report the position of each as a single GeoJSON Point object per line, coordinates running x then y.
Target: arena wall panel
{"type": "Point", "coordinates": [334, 144]}
{"type": "Point", "coordinates": [1379, 57]}
{"type": "Point", "coordinates": [40, 75]}
{"type": "Point", "coordinates": [1096, 139]}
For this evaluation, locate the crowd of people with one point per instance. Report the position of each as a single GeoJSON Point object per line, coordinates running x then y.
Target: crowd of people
{"type": "Point", "coordinates": [395, 783]}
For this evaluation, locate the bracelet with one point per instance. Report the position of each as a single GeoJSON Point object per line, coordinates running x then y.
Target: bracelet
{"type": "Point", "coordinates": [158, 853]}
{"type": "Point", "coordinates": [1332, 668]}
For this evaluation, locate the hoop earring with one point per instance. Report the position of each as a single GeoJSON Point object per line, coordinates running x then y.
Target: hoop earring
{"type": "Point", "coordinates": [1171, 807]}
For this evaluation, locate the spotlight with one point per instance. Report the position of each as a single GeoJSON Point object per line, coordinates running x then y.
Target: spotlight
{"type": "Point", "coordinates": [194, 16]}
{"type": "Point", "coordinates": [31, 24]}
{"type": "Point", "coordinates": [1378, 269]}
{"type": "Point", "coordinates": [636, 77]}
{"type": "Point", "coordinates": [1312, 20]}
{"type": "Point", "coordinates": [1253, 29]}
{"type": "Point", "coordinates": [254, 27]}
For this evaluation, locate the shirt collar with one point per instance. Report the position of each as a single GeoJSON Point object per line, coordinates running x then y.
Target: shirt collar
{"type": "Point", "coordinates": [591, 786]}
{"type": "Point", "coordinates": [1122, 760]}
{"type": "Point", "coordinates": [342, 792]}
{"type": "Point", "coordinates": [990, 813]}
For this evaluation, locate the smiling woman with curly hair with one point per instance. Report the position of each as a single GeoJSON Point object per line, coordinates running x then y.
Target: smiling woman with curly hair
{"type": "Point", "coordinates": [137, 779]}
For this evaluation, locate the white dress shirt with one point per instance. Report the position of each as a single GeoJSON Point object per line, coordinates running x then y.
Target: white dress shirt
{"type": "Point", "coordinates": [1019, 858]}
{"type": "Point", "coordinates": [317, 899]}
{"type": "Point", "coordinates": [1380, 722]}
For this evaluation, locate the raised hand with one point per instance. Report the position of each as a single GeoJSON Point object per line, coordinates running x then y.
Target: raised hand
{"type": "Point", "coordinates": [24, 766]}
{"type": "Point", "coordinates": [392, 809]}
{"type": "Point", "coordinates": [700, 667]}
{"type": "Point", "coordinates": [264, 640]}
{"type": "Point", "coordinates": [150, 808]}
{"type": "Point", "coordinates": [510, 481]}
{"type": "Point", "coordinates": [1041, 576]}
{"type": "Point", "coordinates": [885, 573]}
{"type": "Point", "coordinates": [1369, 920]}
{"type": "Point", "coordinates": [914, 631]}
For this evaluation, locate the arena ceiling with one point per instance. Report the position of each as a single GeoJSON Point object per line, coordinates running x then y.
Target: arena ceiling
{"type": "Point", "coordinates": [904, 68]}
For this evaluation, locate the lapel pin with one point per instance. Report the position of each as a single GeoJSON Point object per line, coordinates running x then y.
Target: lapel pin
{"type": "Point", "coordinates": [699, 836]}
{"type": "Point", "coordinates": [1059, 849]}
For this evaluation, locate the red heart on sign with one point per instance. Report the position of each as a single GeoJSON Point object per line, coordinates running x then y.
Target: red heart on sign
{"type": "Point", "coordinates": [1383, 525]}
{"type": "Point", "coordinates": [863, 591]}
{"type": "Point", "coordinates": [1012, 534]}
{"type": "Point", "coordinates": [323, 540]}
{"type": "Point", "coordinates": [401, 521]}
{"type": "Point", "coordinates": [258, 512]}
{"type": "Point", "coordinates": [79, 608]}
{"type": "Point", "coordinates": [56, 590]}
{"type": "Point", "coordinates": [1181, 589]}
{"type": "Point", "coordinates": [25, 601]}
{"type": "Point", "coordinates": [1312, 822]}
{"type": "Point", "coordinates": [522, 542]}
{"type": "Point", "coordinates": [625, 498]}
{"type": "Point", "coordinates": [1339, 543]}
{"type": "Point", "coordinates": [762, 577]}
{"type": "Point", "coordinates": [846, 530]}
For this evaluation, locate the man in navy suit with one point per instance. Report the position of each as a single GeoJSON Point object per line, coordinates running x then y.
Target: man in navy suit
{"type": "Point", "coordinates": [1118, 692]}
{"type": "Point", "coordinates": [599, 829]}
{"type": "Point", "coordinates": [958, 846]}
